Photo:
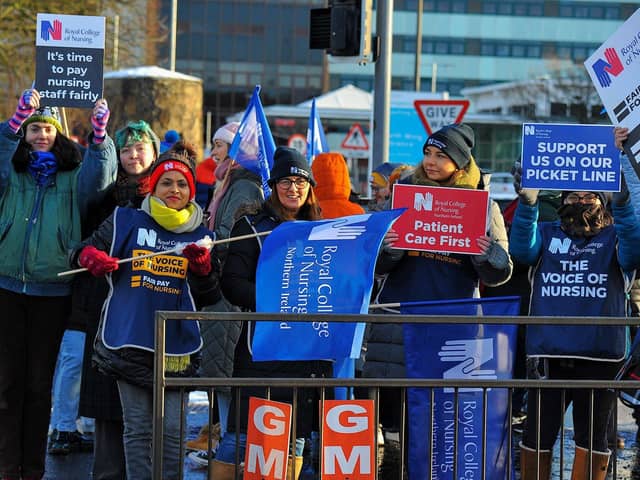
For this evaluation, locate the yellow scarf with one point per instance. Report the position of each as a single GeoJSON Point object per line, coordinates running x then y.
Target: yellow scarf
{"type": "Point", "coordinates": [169, 218]}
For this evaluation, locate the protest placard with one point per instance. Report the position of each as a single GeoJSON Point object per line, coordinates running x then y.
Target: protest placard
{"type": "Point", "coordinates": [438, 219]}
{"type": "Point", "coordinates": [569, 157]}
{"type": "Point", "coordinates": [69, 59]}
{"type": "Point", "coordinates": [614, 69]}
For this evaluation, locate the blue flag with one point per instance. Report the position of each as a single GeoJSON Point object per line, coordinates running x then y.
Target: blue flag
{"type": "Point", "coordinates": [324, 266]}
{"type": "Point", "coordinates": [464, 351]}
{"type": "Point", "coordinates": [253, 145]}
{"type": "Point", "coordinates": [316, 141]}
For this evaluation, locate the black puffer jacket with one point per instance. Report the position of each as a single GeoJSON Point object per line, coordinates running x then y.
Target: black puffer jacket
{"type": "Point", "coordinates": [239, 286]}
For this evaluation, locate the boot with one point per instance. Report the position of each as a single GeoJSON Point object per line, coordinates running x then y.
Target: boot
{"type": "Point", "coordinates": [224, 471]}
{"type": "Point", "coordinates": [201, 442]}
{"type": "Point", "coordinates": [530, 459]}
{"type": "Point", "coordinates": [599, 464]}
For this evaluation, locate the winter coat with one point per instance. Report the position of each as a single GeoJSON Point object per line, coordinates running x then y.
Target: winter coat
{"type": "Point", "coordinates": [35, 250]}
{"type": "Point", "coordinates": [99, 395]}
{"type": "Point", "coordinates": [239, 287]}
{"type": "Point", "coordinates": [421, 276]}
{"type": "Point", "coordinates": [245, 187]}
{"type": "Point", "coordinates": [333, 186]}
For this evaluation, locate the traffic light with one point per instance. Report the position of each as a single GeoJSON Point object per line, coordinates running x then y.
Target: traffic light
{"type": "Point", "coordinates": [343, 30]}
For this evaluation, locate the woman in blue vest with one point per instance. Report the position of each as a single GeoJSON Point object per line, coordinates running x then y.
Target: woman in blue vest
{"type": "Point", "coordinates": [182, 281]}
{"type": "Point", "coordinates": [46, 188]}
{"type": "Point", "coordinates": [581, 266]}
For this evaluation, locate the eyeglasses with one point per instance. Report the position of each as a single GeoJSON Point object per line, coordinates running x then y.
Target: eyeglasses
{"type": "Point", "coordinates": [588, 198]}
{"type": "Point", "coordinates": [286, 183]}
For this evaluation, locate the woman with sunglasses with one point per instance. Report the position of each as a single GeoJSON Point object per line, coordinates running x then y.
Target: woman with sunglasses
{"type": "Point", "coordinates": [581, 266]}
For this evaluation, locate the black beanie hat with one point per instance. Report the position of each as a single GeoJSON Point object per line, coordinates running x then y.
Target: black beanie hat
{"type": "Point", "coordinates": [289, 161]}
{"type": "Point", "coordinates": [456, 140]}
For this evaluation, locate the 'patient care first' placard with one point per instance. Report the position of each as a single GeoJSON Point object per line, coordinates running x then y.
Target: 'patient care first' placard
{"type": "Point", "coordinates": [440, 219]}
{"type": "Point", "coordinates": [69, 59]}
{"type": "Point", "coordinates": [570, 157]}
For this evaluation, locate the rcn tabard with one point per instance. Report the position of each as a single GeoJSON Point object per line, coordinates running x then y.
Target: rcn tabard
{"type": "Point", "coordinates": [570, 157]}
{"type": "Point", "coordinates": [324, 266]}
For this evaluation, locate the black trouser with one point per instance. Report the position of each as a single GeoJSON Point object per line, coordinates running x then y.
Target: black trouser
{"type": "Point", "coordinates": [31, 328]}
{"type": "Point", "coordinates": [551, 408]}
{"type": "Point", "coordinates": [108, 451]}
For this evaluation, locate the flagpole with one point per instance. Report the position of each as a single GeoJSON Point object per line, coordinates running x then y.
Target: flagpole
{"type": "Point", "coordinates": [384, 305]}
{"type": "Point", "coordinates": [173, 250]}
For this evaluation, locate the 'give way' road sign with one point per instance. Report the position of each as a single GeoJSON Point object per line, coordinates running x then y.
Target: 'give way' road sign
{"type": "Point", "coordinates": [435, 114]}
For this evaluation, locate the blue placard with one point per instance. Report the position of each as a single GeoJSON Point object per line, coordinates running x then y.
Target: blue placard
{"type": "Point", "coordinates": [570, 157]}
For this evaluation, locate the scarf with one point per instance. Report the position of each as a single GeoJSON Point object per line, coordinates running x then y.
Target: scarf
{"type": "Point", "coordinates": [42, 166]}
{"type": "Point", "coordinates": [223, 174]}
{"type": "Point", "coordinates": [128, 187]}
{"type": "Point", "coordinates": [176, 221]}
{"type": "Point", "coordinates": [467, 177]}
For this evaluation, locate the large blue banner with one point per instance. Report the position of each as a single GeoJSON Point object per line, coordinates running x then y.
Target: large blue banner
{"type": "Point", "coordinates": [462, 351]}
{"type": "Point", "coordinates": [324, 266]}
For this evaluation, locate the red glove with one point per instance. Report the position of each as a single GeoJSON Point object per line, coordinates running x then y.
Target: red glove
{"type": "Point", "coordinates": [96, 261]}
{"type": "Point", "coordinates": [199, 259]}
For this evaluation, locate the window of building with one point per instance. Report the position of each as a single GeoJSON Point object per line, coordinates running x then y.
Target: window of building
{"type": "Point", "coordinates": [558, 109]}
{"type": "Point", "coordinates": [456, 47]}
{"type": "Point", "coordinates": [518, 50]}
{"type": "Point", "coordinates": [534, 51]}
{"type": "Point", "coordinates": [503, 50]}
{"type": "Point", "coordinates": [442, 47]}
{"type": "Point", "coordinates": [487, 49]}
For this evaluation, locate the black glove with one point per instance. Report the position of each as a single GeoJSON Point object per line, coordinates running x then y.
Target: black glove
{"type": "Point", "coordinates": [527, 196]}
{"type": "Point", "coordinates": [622, 197]}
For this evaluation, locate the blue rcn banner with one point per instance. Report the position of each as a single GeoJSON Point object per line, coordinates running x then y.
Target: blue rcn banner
{"type": "Point", "coordinates": [462, 351]}
{"type": "Point", "coordinates": [569, 157]}
{"type": "Point", "coordinates": [324, 266]}
{"type": "Point", "coordinates": [253, 145]}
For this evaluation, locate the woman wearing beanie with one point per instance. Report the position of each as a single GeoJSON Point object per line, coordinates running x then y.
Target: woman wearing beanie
{"type": "Point", "coordinates": [420, 276]}
{"type": "Point", "coordinates": [137, 148]}
{"type": "Point", "coordinates": [292, 198]}
{"type": "Point", "coordinates": [46, 188]}
{"type": "Point", "coordinates": [235, 187]}
{"type": "Point", "coordinates": [334, 186]}
{"type": "Point", "coordinates": [599, 251]}
{"type": "Point", "coordinates": [124, 346]}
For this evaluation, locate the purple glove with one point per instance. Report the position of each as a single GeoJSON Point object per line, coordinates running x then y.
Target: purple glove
{"type": "Point", "coordinates": [99, 119]}
{"type": "Point", "coordinates": [29, 101]}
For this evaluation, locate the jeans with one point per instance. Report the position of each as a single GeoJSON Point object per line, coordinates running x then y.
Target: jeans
{"type": "Point", "coordinates": [30, 331]}
{"type": "Point", "coordinates": [137, 414]}
{"type": "Point", "coordinates": [66, 383]}
{"type": "Point", "coordinates": [227, 448]}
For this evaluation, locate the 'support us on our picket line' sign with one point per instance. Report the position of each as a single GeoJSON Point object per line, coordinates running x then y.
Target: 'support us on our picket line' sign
{"type": "Point", "coordinates": [438, 219]}
{"type": "Point", "coordinates": [569, 157]}
{"type": "Point", "coordinates": [69, 59]}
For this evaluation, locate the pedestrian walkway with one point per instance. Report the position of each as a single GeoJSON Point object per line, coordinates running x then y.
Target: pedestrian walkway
{"type": "Point", "coordinates": [77, 466]}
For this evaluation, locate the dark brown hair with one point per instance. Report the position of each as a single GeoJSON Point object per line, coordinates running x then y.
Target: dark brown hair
{"type": "Point", "coordinates": [310, 209]}
{"type": "Point", "coordinates": [67, 153]}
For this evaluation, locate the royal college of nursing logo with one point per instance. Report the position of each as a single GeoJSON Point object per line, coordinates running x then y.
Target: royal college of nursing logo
{"type": "Point", "coordinates": [605, 68]}
{"type": "Point", "coordinates": [51, 30]}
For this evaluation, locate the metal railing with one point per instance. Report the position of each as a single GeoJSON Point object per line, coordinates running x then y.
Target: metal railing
{"type": "Point", "coordinates": [161, 382]}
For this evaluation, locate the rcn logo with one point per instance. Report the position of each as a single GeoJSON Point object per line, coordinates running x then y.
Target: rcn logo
{"type": "Point", "coordinates": [48, 31]}
{"type": "Point", "coordinates": [423, 202]}
{"type": "Point", "coordinates": [147, 237]}
{"type": "Point", "coordinates": [604, 68]}
{"type": "Point", "coordinates": [469, 356]}
{"type": "Point", "coordinates": [559, 246]}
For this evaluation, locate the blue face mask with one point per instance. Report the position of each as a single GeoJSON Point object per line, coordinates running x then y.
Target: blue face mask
{"type": "Point", "coordinates": [42, 165]}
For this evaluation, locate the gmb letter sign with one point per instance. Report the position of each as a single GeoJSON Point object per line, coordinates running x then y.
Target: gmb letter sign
{"type": "Point", "coordinates": [439, 219]}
